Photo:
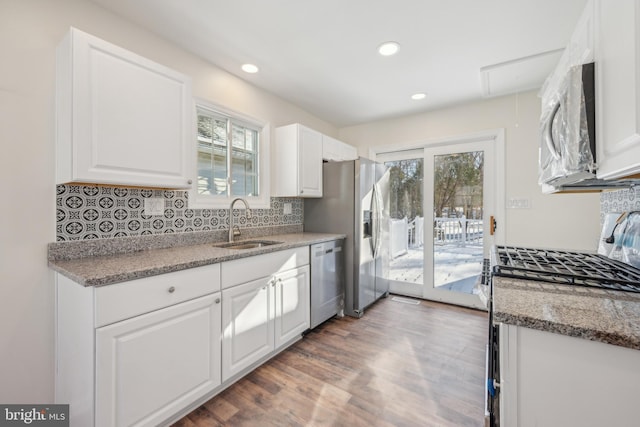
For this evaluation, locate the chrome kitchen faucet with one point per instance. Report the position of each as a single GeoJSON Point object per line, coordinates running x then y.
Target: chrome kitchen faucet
{"type": "Point", "coordinates": [234, 230]}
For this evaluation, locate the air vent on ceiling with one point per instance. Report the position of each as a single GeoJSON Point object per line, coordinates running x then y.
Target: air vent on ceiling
{"type": "Point", "coordinates": [518, 75]}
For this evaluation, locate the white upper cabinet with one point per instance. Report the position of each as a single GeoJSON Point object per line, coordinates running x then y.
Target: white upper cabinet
{"type": "Point", "coordinates": [336, 151]}
{"type": "Point", "coordinates": [579, 50]}
{"type": "Point", "coordinates": [297, 162]}
{"type": "Point", "coordinates": [121, 119]}
{"type": "Point", "coordinates": [582, 40]}
{"type": "Point", "coordinates": [617, 54]}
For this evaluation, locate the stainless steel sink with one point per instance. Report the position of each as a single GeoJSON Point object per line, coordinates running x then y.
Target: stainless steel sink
{"type": "Point", "coordinates": [247, 244]}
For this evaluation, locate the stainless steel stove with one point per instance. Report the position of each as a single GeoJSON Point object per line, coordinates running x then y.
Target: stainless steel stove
{"type": "Point", "coordinates": [564, 267]}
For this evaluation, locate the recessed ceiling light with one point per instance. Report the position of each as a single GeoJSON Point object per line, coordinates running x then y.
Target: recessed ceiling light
{"type": "Point", "coordinates": [388, 48]}
{"type": "Point", "coordinates": [418, 96]}
{"type": "Point", "coordinates": [250, 68]}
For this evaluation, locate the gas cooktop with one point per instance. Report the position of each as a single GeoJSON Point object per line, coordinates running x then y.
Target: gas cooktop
{"type": "Point", "coordinates": [564, 267]}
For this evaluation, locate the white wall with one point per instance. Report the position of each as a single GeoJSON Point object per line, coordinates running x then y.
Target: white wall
{"type": "Point", "coordinates": [560, 220]}
{"type": "Point", "coordinates": [29, 33]}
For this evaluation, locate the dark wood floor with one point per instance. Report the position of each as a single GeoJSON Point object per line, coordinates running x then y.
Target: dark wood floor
{"type": "Point", "coordinates": [399, 365]}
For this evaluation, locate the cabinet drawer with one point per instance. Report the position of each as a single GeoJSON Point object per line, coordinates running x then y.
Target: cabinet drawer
{"type": "Point", "coordinates": [135, 297]}
{"type": "Point", "coordinates": [247, 269]}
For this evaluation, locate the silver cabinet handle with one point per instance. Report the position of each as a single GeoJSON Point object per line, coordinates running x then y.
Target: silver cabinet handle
{"type": "Point", "coordinates": [217, 300]}
{"type": "Point", "coordinates": [172, 289]}
{"type": "Point", "coordinates": [190, 182]}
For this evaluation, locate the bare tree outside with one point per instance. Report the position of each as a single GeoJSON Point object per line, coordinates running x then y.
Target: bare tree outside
{"type": "Point", "coordinates": [458, 184]}
{"type": "Point", "coordinates": [406, 181]}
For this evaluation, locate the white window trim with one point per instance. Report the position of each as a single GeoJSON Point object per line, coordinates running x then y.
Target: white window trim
{"type": "Point", "coordinates": [201, 201]}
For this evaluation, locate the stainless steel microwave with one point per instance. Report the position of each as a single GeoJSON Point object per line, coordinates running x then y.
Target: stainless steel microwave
{"type": "Point", "coordinates": [567, 130]}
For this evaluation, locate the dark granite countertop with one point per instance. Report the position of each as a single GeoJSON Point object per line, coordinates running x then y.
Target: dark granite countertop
{"type": "Point", "coordinates": [127, 259]}
{"type": "Point", "coordinates": [612, 317]}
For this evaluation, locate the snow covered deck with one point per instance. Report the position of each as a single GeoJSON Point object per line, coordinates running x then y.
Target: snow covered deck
{"type": "Point", "coordinates": [456, 267]}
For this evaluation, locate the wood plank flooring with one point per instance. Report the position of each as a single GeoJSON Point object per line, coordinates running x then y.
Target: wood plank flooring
{"type": "Point", "coordinates": [399, 365]}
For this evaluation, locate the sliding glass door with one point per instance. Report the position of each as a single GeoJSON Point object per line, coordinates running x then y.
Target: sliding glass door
{"type": "Point", "coordinates": [441, 201]}
{"type": "Point", "coordinates": [406, 224]}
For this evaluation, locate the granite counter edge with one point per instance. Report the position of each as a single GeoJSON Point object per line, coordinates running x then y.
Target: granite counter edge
{"type": "Point", "coordinates": [113, 278]}
{"type": "Point", "coordinates": [628, 341]}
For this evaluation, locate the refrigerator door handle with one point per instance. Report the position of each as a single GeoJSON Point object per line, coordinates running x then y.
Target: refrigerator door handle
{"type": "Point", "coordinates": [376, 214]}
{"type": "Point", "coordinates": [380, 211]}
{"type": "Point", "coordinates": [374, 228]}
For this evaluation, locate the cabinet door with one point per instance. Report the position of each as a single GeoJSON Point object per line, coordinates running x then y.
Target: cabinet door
{"type": "Point", "coordinates": [310, 161]}
{"type": "Point", "coordinates": [292, 304]}
{"type": "Point", "coordinates": [617, 88]}
{"type": "Point", "coordinates": [297, 162]}
{"type": "Point", "coordinates": [556, 380]}
{"type": "Point", "coordinates": [247, 322]}
{"type": "Point", "coordinates": [152, 366]}
{"type": "Point", "coordinates": [122, 119]}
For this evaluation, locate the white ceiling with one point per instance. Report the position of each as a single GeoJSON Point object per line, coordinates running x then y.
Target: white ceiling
{"type": "Point", "coordinates": [322, 55]}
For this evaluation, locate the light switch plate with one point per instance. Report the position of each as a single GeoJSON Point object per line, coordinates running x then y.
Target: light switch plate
{"type": "Point", "coordinates": [286, 208]}
{"type": "Point", "coordinates": [517, 203]}
{"type": "Point", "coordinates": [154, 206]}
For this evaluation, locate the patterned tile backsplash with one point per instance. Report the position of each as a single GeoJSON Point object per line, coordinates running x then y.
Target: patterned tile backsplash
{"type": "Point", "coordinates": [92, 212]}
{"type": "Point", "coordinates": [619, 201]}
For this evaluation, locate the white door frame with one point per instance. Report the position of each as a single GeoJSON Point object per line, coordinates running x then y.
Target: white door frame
{"type": "Point", "coordinates": [496, 207]}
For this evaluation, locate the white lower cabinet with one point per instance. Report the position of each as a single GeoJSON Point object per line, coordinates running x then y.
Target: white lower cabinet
{"type": "Point", "coordinates": [151, 366]}
{"type": "Point", "coordinates": [247, 319]}
{"type": "Point", "coordinates": [554, 380]}
{"type": "Point", "coordinates": [292, 301]}
{"type": "Point", "coordinates": [143, 352]}
{"type": "Point", "coordinates": [137, 352]}
{"type": "Point", "coordinates": [261, 316]}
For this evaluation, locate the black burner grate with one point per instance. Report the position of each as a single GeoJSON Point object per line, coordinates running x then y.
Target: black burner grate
{"type": "Point", "coordinates": [486, 271]}
{"type": "Point", "coordinates": [563, 267]}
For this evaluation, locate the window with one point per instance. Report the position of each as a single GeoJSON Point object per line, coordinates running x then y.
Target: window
{"type": "Point", "coordinates": [231, 153]}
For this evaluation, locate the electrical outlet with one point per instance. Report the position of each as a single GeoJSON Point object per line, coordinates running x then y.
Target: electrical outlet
{"type": "Point", "coordinates": [154, 206]}
{"type": "Point", "coordinates": [286, 207]}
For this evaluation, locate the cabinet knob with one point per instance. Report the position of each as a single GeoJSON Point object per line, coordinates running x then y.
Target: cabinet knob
{"type": "Point", "coordinates": [217, 300]}
{"type": "Point", "coordinates": [301, 191]}
{"type": "Point", "coordinates": [172, 289]}
{"type": "Point", "coordinates": [190, 182]}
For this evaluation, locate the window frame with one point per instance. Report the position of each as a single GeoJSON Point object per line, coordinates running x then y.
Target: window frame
{"type": "Point", "coordinates": [207, 201]}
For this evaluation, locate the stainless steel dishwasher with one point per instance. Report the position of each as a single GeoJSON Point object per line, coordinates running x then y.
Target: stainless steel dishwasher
{"type": "Point", "coordinates": [327, 281]}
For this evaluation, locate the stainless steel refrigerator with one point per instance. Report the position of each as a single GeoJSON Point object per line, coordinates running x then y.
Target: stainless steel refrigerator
{"type": "Point", "coordinates": [355, 202]}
